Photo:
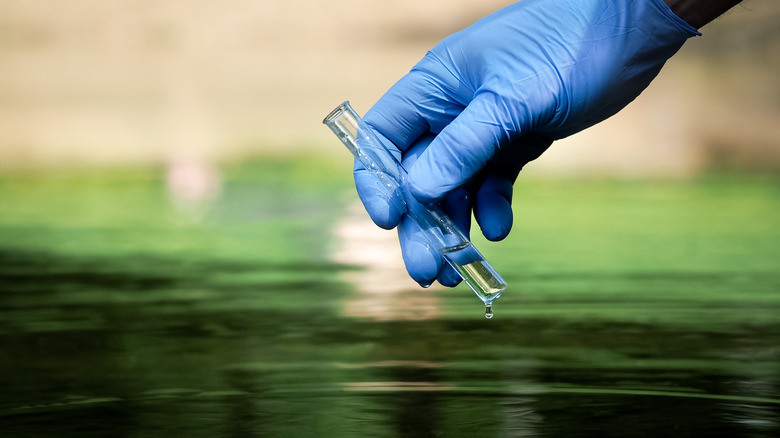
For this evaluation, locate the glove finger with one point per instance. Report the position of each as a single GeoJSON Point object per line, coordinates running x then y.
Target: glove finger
{"type": "Point", "coordinates": [457, 205]}
{"type": "Point", "coordinates": [493, 200]}
{"type": "Point", "coordinates": [416, 104]}
{"type": "Point", "coordinates": [423, 263]}
{"type": "Point", "coordinates": [460, 151]}
{"type": "Point", "coordinates": [385, 209]}
{"type": "Point", "coordinates": [493, 208]}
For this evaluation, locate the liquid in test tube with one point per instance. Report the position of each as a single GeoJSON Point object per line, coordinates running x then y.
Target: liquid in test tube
{"type": "Point", "coordinates": [375, 155]}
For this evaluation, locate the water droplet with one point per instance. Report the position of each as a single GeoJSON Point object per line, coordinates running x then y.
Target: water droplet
{"type": "Point", "coordinates": [488, 311]}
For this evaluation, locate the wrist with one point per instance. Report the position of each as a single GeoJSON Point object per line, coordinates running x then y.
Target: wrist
{"type": "Point", "coordinates": [697, 13]}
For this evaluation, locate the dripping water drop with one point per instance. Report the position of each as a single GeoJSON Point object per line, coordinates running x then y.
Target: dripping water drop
{"type": "Point", "coordinates": [488, 311]}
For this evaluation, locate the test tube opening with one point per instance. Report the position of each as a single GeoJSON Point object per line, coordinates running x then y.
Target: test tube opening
{"type": "Point", "coordinates": [344, 121]}
{"type": "Point", "coordinates": [336, 113]}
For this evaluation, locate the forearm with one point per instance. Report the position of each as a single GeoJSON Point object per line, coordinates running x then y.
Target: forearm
{"type": "Point", "coordinates": [697, 13]}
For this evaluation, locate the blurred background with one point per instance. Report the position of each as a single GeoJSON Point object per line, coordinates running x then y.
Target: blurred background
{"type": "Point", "coordinates": [182, 251]}
{"type": "Point", "coordinates": [96, 83]}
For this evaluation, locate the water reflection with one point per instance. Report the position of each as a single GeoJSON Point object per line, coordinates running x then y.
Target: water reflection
{"type": "Point", "coordinates": [384, 289]}
{"type": "Point", "coordinates": [188, 353]}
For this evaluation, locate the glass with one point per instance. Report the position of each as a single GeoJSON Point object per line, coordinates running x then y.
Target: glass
{"type": "Point", "coordinates": [377, 156]}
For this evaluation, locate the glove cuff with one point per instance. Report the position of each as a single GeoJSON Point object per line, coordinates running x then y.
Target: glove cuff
{"type": "Point", "coordinates": [683, 25]}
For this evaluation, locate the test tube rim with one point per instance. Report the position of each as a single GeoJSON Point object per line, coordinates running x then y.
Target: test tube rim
{"type": "Point", "coordinates": [333, 115]}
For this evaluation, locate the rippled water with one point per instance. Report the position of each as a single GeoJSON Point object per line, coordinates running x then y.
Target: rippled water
{"type": "Point", "coordinates": [634, 309]}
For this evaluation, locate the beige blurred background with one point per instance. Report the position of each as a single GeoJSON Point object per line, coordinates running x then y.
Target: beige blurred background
{"type": "Point", "coordinates": [129, 82]}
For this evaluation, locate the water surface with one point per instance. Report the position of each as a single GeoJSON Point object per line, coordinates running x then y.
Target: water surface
{"type": "Point", "coordinates": [634, 309]}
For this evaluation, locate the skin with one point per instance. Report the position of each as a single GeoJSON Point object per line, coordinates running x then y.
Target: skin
{"type": "Point", "coordinates": [697, 13]}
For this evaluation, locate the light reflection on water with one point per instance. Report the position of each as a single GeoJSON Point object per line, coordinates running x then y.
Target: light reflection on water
{"type": "Point", "coordinates": [384, 291]}
{"type": "Point", "coordinates": [223, 339]}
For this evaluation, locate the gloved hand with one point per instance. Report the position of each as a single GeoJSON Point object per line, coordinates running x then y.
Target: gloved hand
{"type": "Point", "coordinates": [490, 98]}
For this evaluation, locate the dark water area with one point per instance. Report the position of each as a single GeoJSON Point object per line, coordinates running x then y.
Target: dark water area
{"type": "Point", "coordinates": [123, 315]}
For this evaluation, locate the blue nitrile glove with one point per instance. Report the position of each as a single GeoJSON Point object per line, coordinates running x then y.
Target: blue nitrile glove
{"type": "Point", "coordinates": [492, 97]}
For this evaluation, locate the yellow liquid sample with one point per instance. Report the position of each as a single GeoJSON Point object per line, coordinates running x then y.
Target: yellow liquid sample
{"type": "Point", "coordinates": [479, 275]}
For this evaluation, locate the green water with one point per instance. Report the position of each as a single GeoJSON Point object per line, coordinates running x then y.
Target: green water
{"type": "Point", "coordinates": [633, 309]}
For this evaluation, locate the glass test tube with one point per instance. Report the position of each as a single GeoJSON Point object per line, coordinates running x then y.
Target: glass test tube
{"type": "Point", "coordinates": [441, 233]}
